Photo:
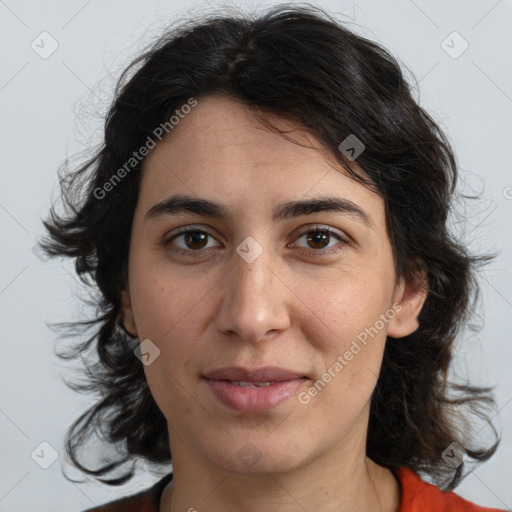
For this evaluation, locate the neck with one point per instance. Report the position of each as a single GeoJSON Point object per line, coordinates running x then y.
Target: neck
{"type": "Point", "coordinates": [336, 482]}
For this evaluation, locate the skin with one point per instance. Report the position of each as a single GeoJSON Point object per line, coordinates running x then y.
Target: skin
{"type": "Point", "coordinates": [288, 308]}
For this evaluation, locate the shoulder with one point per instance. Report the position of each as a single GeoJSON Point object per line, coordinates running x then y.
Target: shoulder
{"type": "Point", "coordinates": [420, 496]}
{"type": "Point", "coordinates": [144, 501]}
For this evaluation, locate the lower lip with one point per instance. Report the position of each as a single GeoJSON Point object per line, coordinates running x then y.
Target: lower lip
{"type": "Point", "coordinates": [254, 400]}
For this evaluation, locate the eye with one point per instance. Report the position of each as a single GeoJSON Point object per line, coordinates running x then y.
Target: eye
{"type": "Point", "coordinates": [193, 240]}
{"type": "Point", "coordinates": [319, 238]}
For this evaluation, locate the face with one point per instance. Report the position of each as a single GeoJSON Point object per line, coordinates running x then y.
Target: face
{"type": "Point", "coordinates": [256, 292]}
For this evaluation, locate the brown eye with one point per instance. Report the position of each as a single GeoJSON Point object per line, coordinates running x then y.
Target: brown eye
{"type": "Point", "coordinates": [191, 240]}
{"type": "Point", "coordinates": [195, 239]}
{"type": "Point", "coordinates": [318, 239]}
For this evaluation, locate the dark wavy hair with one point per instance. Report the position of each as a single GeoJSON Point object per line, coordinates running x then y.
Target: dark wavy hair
{"type": "Point", "coordinates": [298, 62]}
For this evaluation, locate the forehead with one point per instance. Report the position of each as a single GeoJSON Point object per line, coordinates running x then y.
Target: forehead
{"type": "Point", "coordinates": [222, 148]}
{"type": "Point", "coordinates": [221, 130]}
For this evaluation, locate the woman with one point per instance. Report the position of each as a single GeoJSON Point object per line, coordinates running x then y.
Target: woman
{"type": "Point", "coordinates": [280, 293]}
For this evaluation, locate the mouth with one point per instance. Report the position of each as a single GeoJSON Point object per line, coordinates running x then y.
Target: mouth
{"type": "Point", "coordinates": [253, 391]}
{"type": "Point", "coordinates": [256, 375]}
{"type": "Point", "coordinates": [248, 384]}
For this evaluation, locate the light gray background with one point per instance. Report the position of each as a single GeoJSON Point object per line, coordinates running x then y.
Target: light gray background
{"type": "Point", "coordinates": [49, 113]}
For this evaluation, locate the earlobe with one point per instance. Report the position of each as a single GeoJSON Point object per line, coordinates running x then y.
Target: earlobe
{"type": "Point", "coordinates": [127, 317]}
{"type": "Point", "coordinates": [411, 297]}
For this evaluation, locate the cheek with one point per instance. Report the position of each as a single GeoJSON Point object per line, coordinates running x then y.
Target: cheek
{"type": "Point", "coordinates": [345, 307]}
{"type": "Point", "coordinates": [349, 340]}
{"type": "Point", "coordinates": [349, 337]}
{"type": "Point", "coordinates": [167, 304]}
{"type": "Point", "coordinates": [172, 316]}
{"type": "Point", "coordinates": [172, 321]}
{"type": "Point", "coordinates": [171, 393]}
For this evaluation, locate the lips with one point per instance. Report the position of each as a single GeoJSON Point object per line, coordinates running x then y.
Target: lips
{"type": "Point", "coordinates": [240, 374]}
{"type": "Point", "coordinates": [253, 391]}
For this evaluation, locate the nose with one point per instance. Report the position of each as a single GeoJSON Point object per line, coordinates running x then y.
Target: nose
{"type": "Point", "coordinates": [253, 300]}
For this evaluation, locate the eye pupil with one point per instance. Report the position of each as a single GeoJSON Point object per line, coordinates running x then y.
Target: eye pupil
{"type": "Point", "coordinates": [318, 236]}
{"type": "Point", "coordinates": [196, 237]}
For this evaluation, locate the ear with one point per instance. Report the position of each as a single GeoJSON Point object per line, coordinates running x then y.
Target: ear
{"type": "Point", "coordinates": [127, 316]}
{"type": "Point", "coordinates": [411, 297]}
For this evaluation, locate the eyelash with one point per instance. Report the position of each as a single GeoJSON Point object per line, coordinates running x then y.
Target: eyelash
{"type": "Point", "coordinates": [311, 252]}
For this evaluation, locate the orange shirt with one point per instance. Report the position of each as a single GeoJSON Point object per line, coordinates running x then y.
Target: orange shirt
{"type": "Point", "coordinates": [420, 496]}
{"type": "Point", "coordinates": [417, 496]}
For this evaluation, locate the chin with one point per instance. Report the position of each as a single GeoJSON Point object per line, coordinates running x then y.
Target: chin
{"type": "Point", "coordinates": [244, 457]}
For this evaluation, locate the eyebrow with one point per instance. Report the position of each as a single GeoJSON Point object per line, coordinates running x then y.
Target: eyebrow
{"type": "Point", "coordinates": [176, 204]}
